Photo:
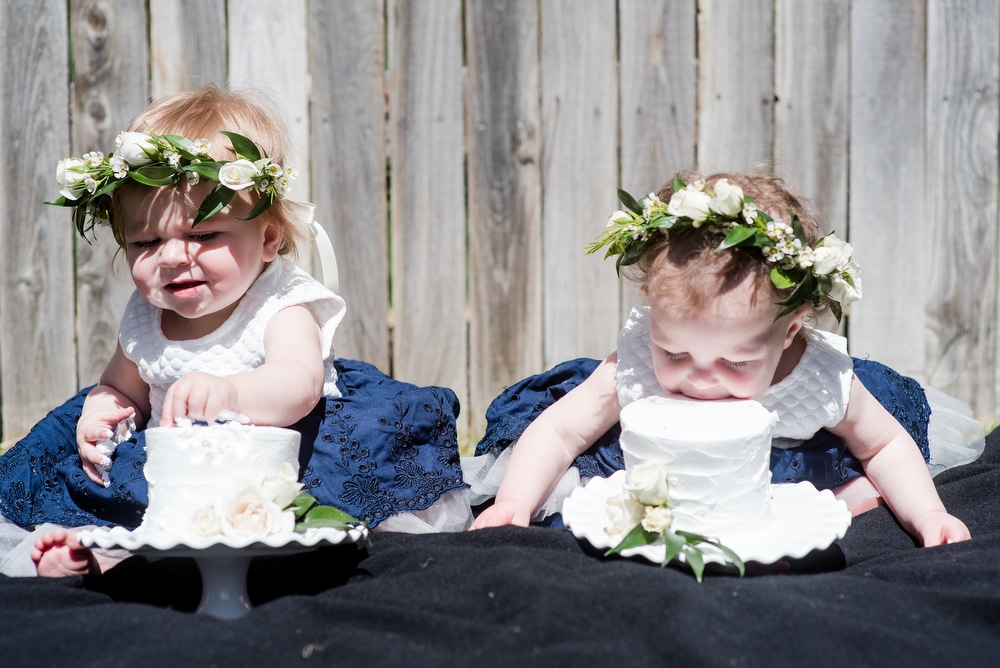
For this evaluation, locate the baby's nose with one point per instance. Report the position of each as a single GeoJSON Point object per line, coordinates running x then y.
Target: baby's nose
{"type": "Point", "coordinates": [174, 251]}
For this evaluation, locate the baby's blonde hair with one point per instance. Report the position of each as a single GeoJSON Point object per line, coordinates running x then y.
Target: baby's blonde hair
{"type": "Point", "coordinates": [687, 271]}
{"type": "Point", "coordinates": [202, 113]}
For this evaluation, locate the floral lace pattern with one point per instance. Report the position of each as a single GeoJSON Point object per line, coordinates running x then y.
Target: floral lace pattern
{"type": "Point", "coordinates": [823, 459]}
{"type": "Point", "coordinates": [383, 448]}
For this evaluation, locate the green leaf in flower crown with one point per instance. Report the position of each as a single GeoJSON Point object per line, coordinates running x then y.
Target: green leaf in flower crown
{"type": "Point", "coordinates": [214, 202]}
{"type": "Point", "coordinates": [780, 279]}
{"type": "Point", "coordinates": [260, 207]}
{"type": "Point", "coordinates": [737, 236]}
{"type": "Point", "coordinates": [629, 202]}
{"type": "Point", "coordinates": [245, 148]}
{"type": "Point", "coordinates": [210, 170]}
{"type": "Point", "coordinates": [154, 175]}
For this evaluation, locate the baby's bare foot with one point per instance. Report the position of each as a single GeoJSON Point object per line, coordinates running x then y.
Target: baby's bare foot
{"type": "Point", "coordinates": [59, 554]}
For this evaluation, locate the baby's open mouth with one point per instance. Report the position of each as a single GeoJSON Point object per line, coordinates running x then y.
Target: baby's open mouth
{"type": "Point", "coordinates": [181, 286]}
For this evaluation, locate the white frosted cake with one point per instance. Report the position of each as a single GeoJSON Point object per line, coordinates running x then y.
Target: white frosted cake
{"type": "Point", "coordinates": [717, 458]}
{"type": "Point", "coordinates": [227, 479]}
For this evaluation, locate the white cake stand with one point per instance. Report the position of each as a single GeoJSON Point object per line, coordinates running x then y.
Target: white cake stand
{"type": "Point", "coordinates": [222, 562]}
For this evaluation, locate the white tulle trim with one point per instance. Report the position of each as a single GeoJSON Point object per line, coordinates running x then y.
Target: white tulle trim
{"type": "Point", "coordinates": [452, 512]}
{"type": "Point", "coordinates": [954, 435]}
{"type": "Point", "coordinates": [483, 474]}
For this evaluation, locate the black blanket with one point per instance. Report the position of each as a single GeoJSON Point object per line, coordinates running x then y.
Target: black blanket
{"type": "Point", "coordinates": [537, 597]}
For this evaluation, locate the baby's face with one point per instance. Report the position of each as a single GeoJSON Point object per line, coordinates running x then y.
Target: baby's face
{"type": "Point", "coordinates": [730, 350]}
{"type": "Point", "coordinates": [200, 273]}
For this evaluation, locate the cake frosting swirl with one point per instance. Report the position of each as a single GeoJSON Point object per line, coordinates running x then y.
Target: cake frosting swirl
{"type": "Point", "coordinates": [221, 479]}
{"type": "Point", "coordinates": [717, 457]}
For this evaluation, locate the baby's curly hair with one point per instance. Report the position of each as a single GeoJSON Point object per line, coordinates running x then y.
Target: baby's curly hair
{"type": "Point", "coordinates": [694, 271]}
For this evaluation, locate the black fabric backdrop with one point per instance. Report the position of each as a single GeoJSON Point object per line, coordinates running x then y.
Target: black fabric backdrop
{"type": "Point", "coordinates": [537, 597]}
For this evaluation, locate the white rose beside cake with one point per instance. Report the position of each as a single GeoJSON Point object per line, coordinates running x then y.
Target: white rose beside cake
{"type": "Point", "coordinates": [697, 485]}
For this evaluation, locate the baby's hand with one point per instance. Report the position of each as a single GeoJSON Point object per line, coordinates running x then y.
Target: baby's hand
{"type": "Point", "coordinates": [500, 514]}
{"type": "Point", "coordinates": [92, 428]}
{"type": "Point", "coordinates": [199, 396]}
{"type": "Point", "coordinates": [937, 527]}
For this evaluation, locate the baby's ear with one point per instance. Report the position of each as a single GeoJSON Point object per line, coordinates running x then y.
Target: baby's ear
{"type": "Point", "coordinates": [273, 235]}
{"type": "Point", "coordinates": [795, 323]}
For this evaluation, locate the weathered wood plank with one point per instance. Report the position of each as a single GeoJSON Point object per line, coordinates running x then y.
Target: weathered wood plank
{"type": "Point", "coordinates": [348, 137]}
{"type": "Point", "coordinates": [963, 84]}
{"type": "Point", "coordinates": [657, 91]}
{"type": "Point", "coordinates": [110, 88]}
{"type": "Point", "coordinates": [888, 219]}
{"type": "Point", "coordinates": [735, 84]}
{"type": "Point", "coordinates": [811, 110]}
{"type": "Point", "coordinates": [503, 127]}
{"type": "Point", "coordinates": [37, 347]}
{"type": "Point", "coordinates": [579, 173]}
{"type": "Point", "coordinates": [187, 44]}
{"type": "Point", "coordinates": [427, 194]}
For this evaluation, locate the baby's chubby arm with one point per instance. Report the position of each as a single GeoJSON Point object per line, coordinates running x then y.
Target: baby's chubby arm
{"type": "Point", "coordinates": [549, 445]}
{"type": "Point", "coordinates": [119, 394]}
{"type": "Point", "coordinates": [279, 392]}
{"type": "Point", "coordinates": [893, 463]}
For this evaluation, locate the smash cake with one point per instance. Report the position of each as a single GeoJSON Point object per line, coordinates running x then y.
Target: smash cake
{"type": "Point", "coordinates": [226, 479]}
{"type": "Point", "coordinates": [716, 455]}
{"type": "Point", "coordinates": [230, 484]}
{"type": "Point", "coordinates": [702, 468]}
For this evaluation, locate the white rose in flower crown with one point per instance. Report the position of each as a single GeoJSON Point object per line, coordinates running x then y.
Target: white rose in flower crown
{"type": "Point", "coordinates": [283, 486]}
{"type": "Point", "coordinates": [657, 519]}
{"type": "Point", "coordinates": [238, 175]}
{"type": "Point", "coordinates": [68, 177]}
{"type": "Point", "coordinates": [844, 292]}
{"type": "Point", "coordinates": [831, 254]}
{"type": "Point", "coordinates": [689, 203]}
{"type": "Point", "coordinates": [132, 147]}
{"type": "Point", "coordinates": [728, 200]}
{"type": "Point", "coordinates": [247, 512]}
{"type": "Point", "coordinates": [623, 513]}
{"type": "Point", "coordinates": [619, 218]}
{"type": "Point", "coordinates": [647, 481]}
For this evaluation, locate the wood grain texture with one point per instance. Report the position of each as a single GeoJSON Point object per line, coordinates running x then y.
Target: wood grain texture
{"type": "Point", "coordinates": [491, 135]}
{"type": "Point", "coordinates": [812, 78]}
{"type": "Point", "coordinates": [427, 194]}
{"type": "Point", "coordinates": [735, 84]}
{"type": "Point", "coordinates": [579, 175]}
{"type": "Point", "coordinates": [349, 151]}
{"type": "Point", "coordinates": [110, 88]}
{"type": "Point", "coordinates": [37, 348]}
{"type": "Point", "coordinates": [503, 128]}
{"type": "Point", "coordinates": [963, 80]}
{"type": "Point", "coordinates": [657, 98]}
{"type": "Point", "coordinates": [187, 44]}
{"type": "Point", "coordinates": [888, 218]}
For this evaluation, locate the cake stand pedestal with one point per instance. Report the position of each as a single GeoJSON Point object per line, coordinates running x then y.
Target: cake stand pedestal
{"type": "Point", "coordinates": [224, 586]}
{"type": "Point", "coordinates": [222, 562]}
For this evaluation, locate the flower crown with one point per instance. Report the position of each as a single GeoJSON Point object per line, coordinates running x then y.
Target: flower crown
{"type": "Point", "coordinates": [86, 183]}
{"type": "Point", "coordinates": [821, 274]}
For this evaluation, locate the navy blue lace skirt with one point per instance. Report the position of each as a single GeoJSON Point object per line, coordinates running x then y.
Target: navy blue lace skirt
{"type": "Point", "coordinates": [383, 448]}
{"type": "Point", "coordinates": [823, 460]}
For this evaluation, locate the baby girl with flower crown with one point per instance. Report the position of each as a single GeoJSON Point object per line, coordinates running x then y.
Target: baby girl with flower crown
{"type": "Point", "coordinates": [736, 273]}
{"type": "Point", "coordinates": [222, 322]}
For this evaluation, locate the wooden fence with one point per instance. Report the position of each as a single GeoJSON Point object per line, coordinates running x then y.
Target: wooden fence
{"type": "Point", "coordinates": [498, 130]}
